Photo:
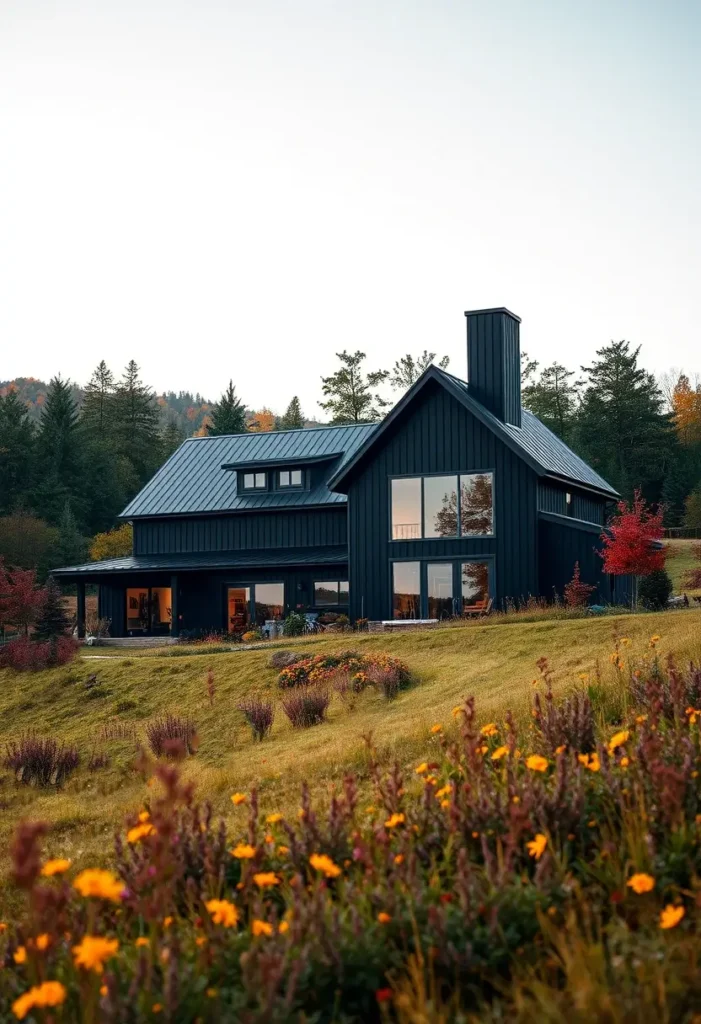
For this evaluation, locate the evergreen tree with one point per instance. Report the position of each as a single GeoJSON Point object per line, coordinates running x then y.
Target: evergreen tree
{"type": "Point", "coordinates": [71, 547]}
{"type": "Point", "coordinates": [553, 397]}
{"type": "Point", "coordinates": [407, 370]}
{"type": "Point", "coordinates": [136, 424]}
{"type": "Point", "coordinates": [98, 402]}
{"type": "Point", "coordinates": [350, 396]}
{"type": "Point", "coordinates": [228, 416]}
{"type": "Point", "coordinates": [61, 455]}
{"type": "Point", "coordinates": [17, 452]}
{"type": "Point", "coordinates": [52, 621]}
{"type": "Point", "coordinates": [621, 429]}
{"type": "Point", "coordinates": [692, 510]}
{"type": "Point", "coordinates": [292, 418]}
{"type": "Point", "coordinates": [171, 439]}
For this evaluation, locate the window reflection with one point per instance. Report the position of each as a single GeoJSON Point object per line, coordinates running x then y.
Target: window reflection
{"type": "Point", "coordinates": [440, 506]}
{"type": "Point", "coordinates": [406, 590]}
{"type": "Point", "coordinates": [476, 505]}
{"type": "Point", "coordinates": [475, 586]}
{"type": "Point", "coordinates": [439, 581]}
{"type": "Point", "coordinates": [406, 508]}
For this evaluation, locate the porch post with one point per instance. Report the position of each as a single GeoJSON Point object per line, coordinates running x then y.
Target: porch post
{"type": "Point", "coordinates": [81, 609]}
{"type": "Point", "coordinates": [174, 623]}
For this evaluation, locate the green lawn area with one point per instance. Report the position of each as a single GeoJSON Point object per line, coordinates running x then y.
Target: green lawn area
{"type": "Point", "coordinates": [679, 559]}
{"type": "Point", "coordinates": [493, 661]}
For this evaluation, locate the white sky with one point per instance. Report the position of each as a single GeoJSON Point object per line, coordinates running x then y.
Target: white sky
{"type": "Point", "coordinates": [244, 188]}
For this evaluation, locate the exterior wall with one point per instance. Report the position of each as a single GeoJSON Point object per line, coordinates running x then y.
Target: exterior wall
{"type": "Point", "coordinates": [561, 545]}
{"type": "Point", "coordinates": [587, 507]}
{"type": "Point", "coordinates": [438, 435]}
{"type": "Point", "coordinates": [244, 531]}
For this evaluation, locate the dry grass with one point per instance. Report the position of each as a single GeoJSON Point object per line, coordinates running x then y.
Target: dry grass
{"type": "Point", "coordinates": [494, 662]}
{"type": "Point", "coordinates": [679, 560]}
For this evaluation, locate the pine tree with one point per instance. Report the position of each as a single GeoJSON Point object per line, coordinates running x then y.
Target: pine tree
{"type": "Point", "coordinates": [349, 393]}
{"type": "Point", "coordinates": [17, 452]}
{"type": "Point", "coordinates": [292, 418]}
{"type": "Point", "coordinates": [553, 398]}
{"type": "Point", "coordinates": [61, 455]}
{"type": "Point", "coordinates": [621, 428]}
{"type": "Point", "coordinates": [71, 548]}
{"type": "Point", "coordinates": [228, 416]}
{"type": "Point", "coordinates": [171, 439]}
{"type": "Point", "coordinates": [407, 370]}
{"type": "Point", "coordinates": [52, 621]}
{"type": "Point", "coordinates": [136, 424]}
{"type": "Point", "coordinates": [98, 402]}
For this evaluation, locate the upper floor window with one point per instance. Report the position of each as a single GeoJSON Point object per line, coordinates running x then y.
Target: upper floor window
{"type": "Point", "coordinates": [443, 506]}
{"type": "Point", "coordinates": [290, 478]}
{"type": "Point", "coordinates": [254, 481]}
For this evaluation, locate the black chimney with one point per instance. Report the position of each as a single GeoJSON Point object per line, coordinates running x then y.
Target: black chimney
{"type": "Point", "coordinates": [494, 362]}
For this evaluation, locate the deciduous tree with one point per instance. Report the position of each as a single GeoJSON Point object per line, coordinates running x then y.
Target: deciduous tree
{"type": "Point", "coordinates": [631, 541]}
{"type": "Point", "coordinates": [407, 370]}
{"type": "Point", "coordinates": [350, 393]}
{"type": "Point", "coordinates": [115, 543]}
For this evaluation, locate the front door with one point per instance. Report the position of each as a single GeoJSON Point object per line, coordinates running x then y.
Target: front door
{"type": "Point", "coordinates": [148, 611]}
{"type": "Point", "coordinates": [238, 609]}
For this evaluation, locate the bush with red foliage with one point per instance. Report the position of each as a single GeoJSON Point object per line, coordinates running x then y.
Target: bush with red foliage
{"type": "Point", "coordinates": [577, 593]}
{"type": "Point", "coordinates": [629, 541]}
{"type": "Point", "coordinates": [25, 655]}
{"type": "Point", "coordinates": [40, 761]}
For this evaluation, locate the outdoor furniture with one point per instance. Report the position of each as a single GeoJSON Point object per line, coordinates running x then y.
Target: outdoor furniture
{"type": "Point", "coordinates": [479, 610]}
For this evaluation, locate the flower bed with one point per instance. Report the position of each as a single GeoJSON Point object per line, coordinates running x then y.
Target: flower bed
{"type": "Point", "coordinates": [361, 668]}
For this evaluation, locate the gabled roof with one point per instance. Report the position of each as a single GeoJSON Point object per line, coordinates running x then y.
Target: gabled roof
{"type": "Point", "coordinates": [193, 481]}
{"type": "Point", "coordinates": [336, 554]}
{"type": "Point", "coordinates": [544, 452]}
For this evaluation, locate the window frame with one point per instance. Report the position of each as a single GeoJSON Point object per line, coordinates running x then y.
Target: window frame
{"type": "Point", "coordinates": [254, 473]}
{"type": "Point", "coordinates": [290, 486]}
{"type": "Point", "coordinates": [459, 473]}
{"type": "Point", "coordinates": [456, 561]}
{"type": "Point", "coordinates": [339, 603]}
{"type": "Point", "coordinates": [250, 585]}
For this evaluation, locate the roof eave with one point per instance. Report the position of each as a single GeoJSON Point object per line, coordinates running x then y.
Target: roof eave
{"type": "Point", "coordinates": [600, 492]}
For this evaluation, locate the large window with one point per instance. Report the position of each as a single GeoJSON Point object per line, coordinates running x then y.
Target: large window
{"type": "Point", "coordinates": [474, 577]}
{"type": "Point", "coordinates": [407, 590]}
{"type": "Point", "coordinates": [148, 610]}
{"type": "Point", "coordinates": [254, 481]}
{"type": "Point", "coordinates": [439, 588]}
{"type": "Point", "coordinates": [269, 601]}
{"type": "Point", "coordinates": [238, 609]}
{"type": "Point", "coordinates": [443, 506]}
{"type": "Point", "coordinates": [330, 593]}
{"type": "Point", "coordinates": [290, 478]}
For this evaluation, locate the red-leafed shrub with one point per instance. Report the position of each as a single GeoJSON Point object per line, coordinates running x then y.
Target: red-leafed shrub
{"type": "Point", "coordinates": [259, 714]}
{"type": "Point", "coordinates": [172, 736]}
{"type": "Point", "coordinates": [577, 593]}
{"type": "Point", "coordinates": [40, 762]}
{"type": "Point", "coordinates": [26, 655]}
{"type": "Point", "coordinates": [630, 541]}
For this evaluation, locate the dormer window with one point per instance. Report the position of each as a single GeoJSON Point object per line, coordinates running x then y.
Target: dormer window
{"type": "Point", "coordinates": [290, 478]}
{"type": "Point", "coordinates": [254, 482]}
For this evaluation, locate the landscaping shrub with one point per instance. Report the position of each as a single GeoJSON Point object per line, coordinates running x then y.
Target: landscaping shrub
{"type": "Point", "coordinates": [655, 590]}
{"type": "Point", "coordinates": [577, 593]}
{"type": "Point", "coordinates": [295, 624]}
{"type": "Point", "coordinates": [386, 678]}
{"type": "Point", "coordinates": [508, 876]}
{"type": "Point", "coordinates": [251, 635]}
{"type": "Point", "coordinates": [321, 668]}
{"type": "Point", "coordinates": [40, 761]}
{"type": "Point", "coordinates": [306, 706]}
{"type": "Point", "coordinates": [259, 714]}
{"type": "Point", "coordinates": [171, 736]}
{"type": "Point", "coordinates": [27, 655]}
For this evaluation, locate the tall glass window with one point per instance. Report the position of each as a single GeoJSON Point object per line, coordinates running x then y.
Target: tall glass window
{"type": "Point", "coordinates": [440, 506]}
{"type": "Point", "coordinates": [148, 610]}
{"type": "Point", "coordinates": [406, 508]}
{"type": "Point", "coordinates": [238, 609]}
{"type": "Point", "coordinates": [474, 578]}
{"type": "Point", "coordinates": [269, 601]}
{"type": "Point", "coordinates": [439, 582]}
{"type": "Point", "coordinates": [406, 590]}
{"type": "Point", "coordinates": [476, 505]}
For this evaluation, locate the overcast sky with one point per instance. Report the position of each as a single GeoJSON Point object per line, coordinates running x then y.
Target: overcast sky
{"type": "Point", "coordinates": [242, 189]}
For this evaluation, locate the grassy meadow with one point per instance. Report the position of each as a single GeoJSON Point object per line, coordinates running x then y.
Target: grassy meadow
{"type": "Point", "coordinates": [495, 662]}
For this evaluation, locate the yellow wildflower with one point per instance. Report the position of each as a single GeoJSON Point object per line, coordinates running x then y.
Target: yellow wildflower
{"type": "Point", "coordinates": [136, 834]}
{"type": "Point", "coordinates": [436, 728]}
{"type": "Point", "coordinates": [261, 928]}
{"type": "Point", "coordinates": [584, 676]}
{"type": "Point", "coordinates": [590, 761]}
{"type": "Point", "coordinates": [625, 761]}
{"type": "Point", "coordinates": [394, 820]}
{"type": "Point", "coordinates": [445, 804]}
{"type": "Point", "coordinates": [238, 798]}
{"type": "Point", "coordinates": [383, 917]}
{"type": "Point", "coordinates": [640, 719]}
{"type": "Point", "coordinates": [283, 927]}
{"type": "Point", "coordinates": [265, 879]}
{"type": "Point", "coordinates": [141, 941]}
{"type": "Point", "coordinates": [322, 863]}
{"type": "Point", "coordinates": [489, 730]}
{"type": "Point", "coordinates": [55, 867]}
{"type": "Point", "coordinates": [49, 993]}
{"type": "Point", "coordinates": [457, 710]}
{"type": "Point", "coordinates": [654, 640]}
{"type": "Point", "coordinates": [671, 916]}
{"type": "Point", "coordinates": [561, 749]}
{"type": "Point", "coordinates": [444, 791]}
{"type": "Point", "coordinates": [223, 912]}
{"type": "Point", "coordinates": [42, 941]}
{"type": "Point", "coordinates": [283, 850]}
{"type": "Point", "coordinates": [499, 753]}
{"type": "Point", "coordinates": [536, 847]}
{"type": "Point", "coordinates": [537, 763]}
{"type": "Point", "coordinates": [273, 819]}
{"type": "Point", "coordinates": [399, 858]}
{"type": "Point", "coordinates": [144, 816]}
{"type": "Point", "coordinates": [640, 883]}
{"type": "Point", "coordinates": [423, 767]}
{"type": "Point", "coordinates": [244, 851]}
{"type": "Point", "coordinates": [20, 955]}
{"type": "Point", "coordinates": [618, 739]}
{"type": "Point", "coordinates": [103, 884]}
{"type": "Point", "coordinates": [92, 952]}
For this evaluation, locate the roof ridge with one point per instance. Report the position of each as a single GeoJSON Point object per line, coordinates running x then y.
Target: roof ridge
{"type": "Point", "coordinates": [287, 430]}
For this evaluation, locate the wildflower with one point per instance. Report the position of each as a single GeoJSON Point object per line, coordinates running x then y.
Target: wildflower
{"type": "Point", "coordinates": [423, 767]}
{"type": "Point", "coordinates": [20, 955]}
{"type": "Point", "coordinates": [383, 994]}
{"type": "Point", "coordinates": [671, 916]}
{"type": "Point", "coordinates": [283, 850]}
{"type": "Point", "coordinates": [654, 640]}
{"type": "Point", "coordinates": [103, 884]}
{"type": "Point", "coordinates": [157, 1008]}
{"type": "Point", "coordinates": [383, 917]}
{"type": "Point", "coordinates": [489, 730]}
{"type": "Point", "coordinates": [399, 858]}
{"type": "Point", "coordinates": [618, 739]}
{"type": "Point", "coordinates": [561, 749]}
{"type": "Point", "coordinates": [640, 883]}
{"type": "Point", "coordinates": [144, 816]}
{"type": "Point", "coordinates": [499, 753]}
{"type": "Point", "coordinates": [590, 761]}
{"type": "Point", "coordinates": [244, 851]}
{"type": "Point", "coordinates": [283, 927]}
{"type": "Point", "coordinates": [141, 941]}
{"type": "Point", "coordinates": [640, 719]}
{"type": "Point", "coordinates": [49, 993]}
{"type": "Point", "coordinates": [42, 941]}
{"type": "Point", "coordinates": [322, 863]}
{"type": "Point", "coordinates": [261, 928]}
{"type": "Point", "coordinates": [167, 921]}
{"type": "Point", "coordinates": [436, 728]}
{"type": "Point", "coordinates": [457, 710]}
{"type": "Point", "coordinates": [536, 847]}
{"type": "Point", "coordinates": [238, 798]}
{"type": "Point", "coordinates": [223, 912]}
{"type": "Point", "coordinates": [625, 761]}
{"type": "Point", "coordinates": [266, 879]}
{"type": "Point", "coordinates": [444, 791]}
{"type": "Point", "coordinates": [136, 834]}
{"type": "Point", "coordinates": [536, 763]}
{"type": "Point", "coordinates": [445, 804]}
{"type": "Point", "coordinates": [92, 952]}
{"type": "Point", "coordinates": [584, 676]}
{"type": "Point", "coordinates": [370, 809]}
{"type": "Point", "coordinates": [55, 867]}
{"type": "Point", "coordinates": [3, 926]}
{"type": "Point", "coordinates": [273, 819]}
{"type": "Point", "coordinates": [103, 990]}
{"type": "Point", "coordinates": [394, 820]}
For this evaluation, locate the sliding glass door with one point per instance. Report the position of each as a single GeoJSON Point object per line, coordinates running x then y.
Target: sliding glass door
{"type": "Point", "coordinates": [440, 590]}
{"type": "Point", "coordinates": [255, 604]}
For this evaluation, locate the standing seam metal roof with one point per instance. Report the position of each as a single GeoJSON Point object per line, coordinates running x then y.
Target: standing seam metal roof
{"type": "Point", "coordinates": [192, 480]}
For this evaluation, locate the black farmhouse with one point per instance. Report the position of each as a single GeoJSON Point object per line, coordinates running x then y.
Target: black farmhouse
{"type": "Point", "coordinates": [458, 497]}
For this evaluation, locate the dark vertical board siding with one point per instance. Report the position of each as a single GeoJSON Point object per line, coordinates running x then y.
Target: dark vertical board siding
{"type": "Point", "coordinates": [440, 436]}
{"type": "Point", "coordinates": [300, 528]}
{"type": "Point", "coordinates": [552, 498]}
{"type": "Point", "coordinates": [494, 364]}
{"type": "Point", "coordinates": [560, 547]}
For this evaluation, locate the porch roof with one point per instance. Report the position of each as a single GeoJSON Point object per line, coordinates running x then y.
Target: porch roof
{"type": "Point", "coordinates": [270, 558]}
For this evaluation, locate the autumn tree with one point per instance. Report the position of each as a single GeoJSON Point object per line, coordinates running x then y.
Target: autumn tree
{"type": "Point", "coordinates": [292, 418]}
{"type": "Point", "coordinates": [115, 543]}
{"type": "Point", "coordinates": [261, 422]}
{"type": "Point", "coordinates": [407, 370]}
{"type": "Point", "coordinates": [228, 416]}
{"type": "Point", "coordinates": [686, 411]}
{"type": "Point", "coordinates": [350, 392]}
{"type": "Point", "coordinates": [20, 598]}
{"type": "Point", "coordinates": [577, 592]}
{"type": "Point", "coordinates": [631, 541]}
